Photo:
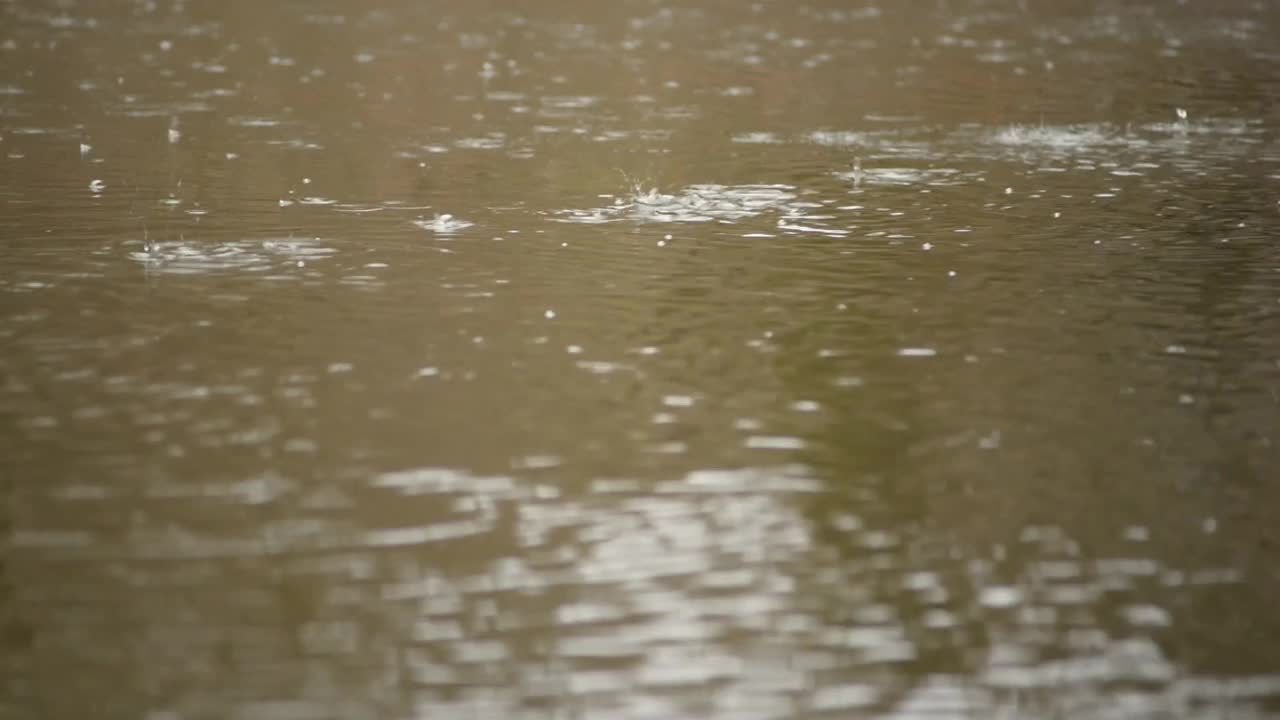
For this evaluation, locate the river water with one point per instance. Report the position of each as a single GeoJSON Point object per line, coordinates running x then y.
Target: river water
{"type": "Point", "coordinates": [638, 359]}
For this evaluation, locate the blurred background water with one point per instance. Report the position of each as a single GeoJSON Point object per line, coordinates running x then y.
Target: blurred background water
{"type": "Point", "coordinates": [639, 359]}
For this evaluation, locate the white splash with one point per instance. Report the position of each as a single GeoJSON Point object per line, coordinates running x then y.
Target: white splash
{"type": "Point", "coordinates": [189, 257]}
{"type": "Point", "coordinates": [443, 223]}
{"type": "Point", "coordinates": [696, 203]}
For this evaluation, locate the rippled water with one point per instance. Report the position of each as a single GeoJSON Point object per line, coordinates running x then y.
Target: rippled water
{"type": "Point", "coordinates": [639, 360]}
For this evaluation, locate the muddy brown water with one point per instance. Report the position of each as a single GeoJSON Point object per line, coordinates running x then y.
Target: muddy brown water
{"type": "Point", "coordinates": [633, 360]}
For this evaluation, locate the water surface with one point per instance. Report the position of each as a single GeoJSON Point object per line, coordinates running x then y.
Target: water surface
{"type": "Point", "coordinates": [639, 360]}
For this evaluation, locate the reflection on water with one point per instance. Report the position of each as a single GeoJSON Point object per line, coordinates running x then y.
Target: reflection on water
{"type": "Point", "coordinates": [442, 594]}
{"type": "Point", "coordinates": [639, 360]}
